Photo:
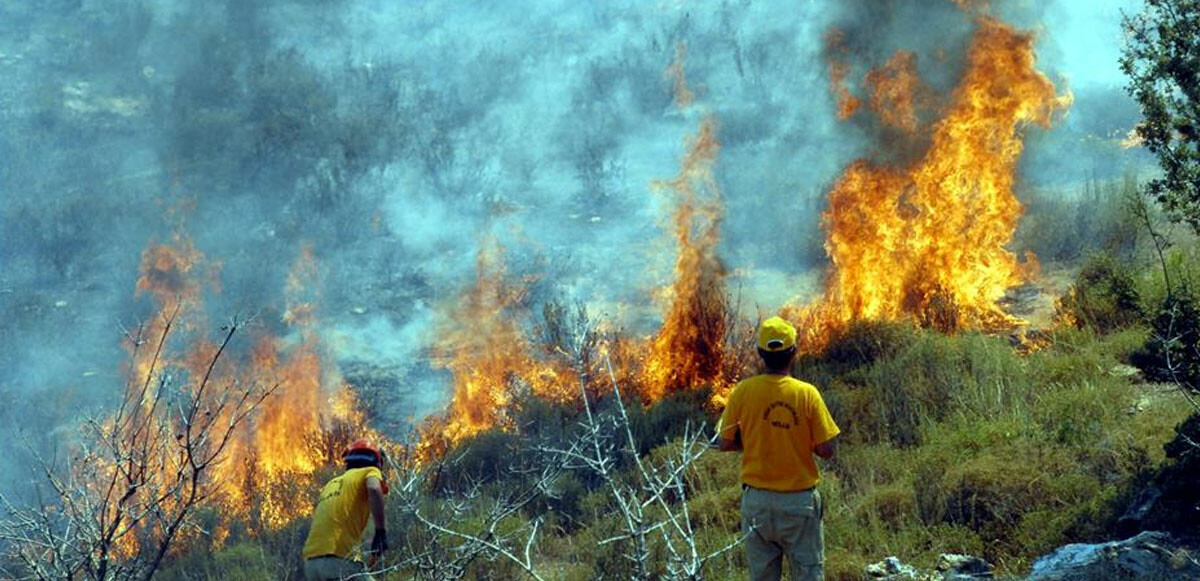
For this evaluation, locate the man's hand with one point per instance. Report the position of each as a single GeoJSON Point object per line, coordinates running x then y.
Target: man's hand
{"type": "Point", "coordinates": [825, 449]}
{"type": "Point", "coordinates": [734, 445]}
{"type": "Point", "coordinates": [379, 542]}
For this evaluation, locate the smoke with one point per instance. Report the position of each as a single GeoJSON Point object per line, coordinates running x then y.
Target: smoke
{"type": "Point", "coordinates": [392, 140]}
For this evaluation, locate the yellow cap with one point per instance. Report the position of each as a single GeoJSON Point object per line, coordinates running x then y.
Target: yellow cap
{"type": "Point", "coordinates": [776, 334]}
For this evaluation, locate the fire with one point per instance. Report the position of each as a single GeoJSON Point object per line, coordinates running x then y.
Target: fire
{"type": "Point", "coordinates": [489, 358]}
{"type": "Point", "coordinates": [688, 350]}
{"type": "Point", "coordinates": [927, 242]}
{"type": "Point", "coordinates": [895, 90]}
{"type": "Point", "coordinates": [492, 361]}
{"type": "Point", "coordinates": [839, 70]}
{"type": "Point", "coordinates": [293, 434]}
{"type": "Point", "coordinates": [683, 95]}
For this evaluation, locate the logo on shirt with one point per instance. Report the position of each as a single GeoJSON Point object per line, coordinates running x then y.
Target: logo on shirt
{"type": "Point", "coordinates": [330, 491]}
{"type": "Point", "coordinates": [779, 422]}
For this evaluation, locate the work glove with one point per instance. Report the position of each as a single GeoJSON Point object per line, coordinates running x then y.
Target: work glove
{"type": "Point", "coordinates": [379, 542]}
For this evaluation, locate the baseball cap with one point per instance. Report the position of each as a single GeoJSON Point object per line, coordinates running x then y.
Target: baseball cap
{"type": "Point", "coordinates": [776, 334]}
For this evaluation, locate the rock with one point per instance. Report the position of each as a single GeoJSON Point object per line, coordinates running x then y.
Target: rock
{"type": "Point", "coordinates": [1142, 506]}
{"type": "Point", "coordinates": [957, 567]}
{"type": "Point", "coordinates": [1127, 371]}
{"type": "Point", "coordinates": [891, 569]}
{"type": "Point", "coordinates": [1149, 555]}
{"type": "Point", "coordinates": [1142, 404]}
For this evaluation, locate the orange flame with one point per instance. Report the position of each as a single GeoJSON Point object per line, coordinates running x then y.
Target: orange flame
{"type": "Point", "coordinates": [839, 70]}
{"type": "Point", "coordinates": [683, 95]}
{"type": "Point", "coordinates": [489, 357]}
{"type": "Point", "coordinates": [688, 350]}
{"type": "Point", "coordinates": [928, 242]}
{"type": "Point", "coordinates": [297, 431]}
{"type": "Point", "coordinates": [895, 90]}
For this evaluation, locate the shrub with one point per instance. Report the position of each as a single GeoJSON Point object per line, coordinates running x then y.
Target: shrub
{"type": "Point", "coordinates": [1172, 353]}
{"type": "Point", "coordinates": [1175, 484]}
{"type": "Point", "coordinates": [1104, 296]}
{"type": "Point", "coordinates": [483, 458]}
{"type": "Point", "coordinates": [242, 562]}
{"type": "Point", "coordinates": [865, 342]}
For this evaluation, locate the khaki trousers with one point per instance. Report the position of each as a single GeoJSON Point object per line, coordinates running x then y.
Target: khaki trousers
{"type": "Point", "coordinates": [334, 569]}
{"type": "Point", "coordinates": [783, 523]}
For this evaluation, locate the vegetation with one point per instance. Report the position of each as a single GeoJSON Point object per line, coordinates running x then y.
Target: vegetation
{"type": "Point", "coordinates": [1160, 60]}
{"type": "Point", "coordinates": [951, 444]}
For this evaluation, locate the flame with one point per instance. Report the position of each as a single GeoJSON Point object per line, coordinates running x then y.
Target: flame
{"type": "Point", "coordinates": [895, 89]}
{"type": "Point", "coordinates": [928, 242]}
{"type": "Point", "coordinates": [839, 70]}
{"type": "Point", "coordinates": [489, 358]}
{"type": "Point", "coordinates": [297, 431]}
{"type": "Point", "coordinates": [683, 95]}
{"type": "Point", "coordinates": [688, 350]}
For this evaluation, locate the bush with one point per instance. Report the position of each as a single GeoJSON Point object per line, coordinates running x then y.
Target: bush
{"type": "Point", "coordinates": [865, 342]}
{"type": "Point", "coordinates": [1172, 353]}
{"type": "Point", "coordinates": [242, 562]}
{"type": "Point", "coordinates": [1104, 296]}
{"type": "Point", "coordinates": [1177, 508]}
{"type": "Point", "coordinates": [482, 458]}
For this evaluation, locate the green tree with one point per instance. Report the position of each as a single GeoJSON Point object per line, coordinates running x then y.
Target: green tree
{"type": "Point", "coordinates": [1162, 60]}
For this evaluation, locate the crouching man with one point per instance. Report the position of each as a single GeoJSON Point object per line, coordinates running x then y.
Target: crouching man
{"type": "Point", "coordinates": [341, 517]}
{"type": "Point", "coordinates": [779, 423]}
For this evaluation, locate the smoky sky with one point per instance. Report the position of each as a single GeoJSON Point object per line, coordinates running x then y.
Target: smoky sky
{"type": "Point", "coordinates": [395, 138]}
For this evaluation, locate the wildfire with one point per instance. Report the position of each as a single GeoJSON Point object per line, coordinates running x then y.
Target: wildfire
{"type": "Point", "coordinates": [482, 344]}
{"type": "Point", "coordinates": [688, 350]}
{"type": "Point", "coordinates": [927, 242]}
{"type": "Point", "coordinates": [683, 95]}
{"type": "Point", "coordinates": [295, 432]}
{"type": "Point", "coordinates": [839, 70]}
{"type": "Point", "coordinates": [895, 90]}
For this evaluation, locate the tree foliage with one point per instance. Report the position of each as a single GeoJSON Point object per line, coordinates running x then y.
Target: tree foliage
{"type": "Point", "coordinates": [1162, 60]}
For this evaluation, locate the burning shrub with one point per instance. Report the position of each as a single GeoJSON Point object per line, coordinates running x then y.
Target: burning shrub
{"type": "Point", "coordinates": [1104, 296]}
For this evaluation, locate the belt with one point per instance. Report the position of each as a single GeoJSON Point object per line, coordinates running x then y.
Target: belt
{"type": "Point", "coordinates": [746, 487]}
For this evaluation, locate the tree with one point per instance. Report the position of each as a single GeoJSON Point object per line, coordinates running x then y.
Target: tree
{"type": "Point", "coordinates": [1162, 59]}
{"type": "Point", "coordinates": [136, 476]}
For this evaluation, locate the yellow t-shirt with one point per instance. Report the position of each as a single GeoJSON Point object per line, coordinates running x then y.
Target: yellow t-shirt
{"type": "Point", "coordinates": [780, 420]}
{"type": "Point", "coordinates": [341, 514]}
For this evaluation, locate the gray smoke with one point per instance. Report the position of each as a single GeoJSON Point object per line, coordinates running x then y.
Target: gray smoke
{"type": "Point", "coordinates": [394, 139]}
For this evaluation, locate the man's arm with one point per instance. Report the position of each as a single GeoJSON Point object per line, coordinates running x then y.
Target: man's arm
{"type": "Point", "coordinates": [826, 449]}
{"type": "Point", "coordinates": [375, 502]}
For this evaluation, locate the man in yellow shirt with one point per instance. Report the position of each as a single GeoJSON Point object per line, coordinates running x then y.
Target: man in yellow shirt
{"type": "Point", "coordinates": [341, 517]}
{"type": "Point", "coordinates": [779, 423]}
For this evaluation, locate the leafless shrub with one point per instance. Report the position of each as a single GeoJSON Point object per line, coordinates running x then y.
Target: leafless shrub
{"type": "Point", "coordinates": [652, 505]}
{"type": "Point", "coordinates": [135, 476]}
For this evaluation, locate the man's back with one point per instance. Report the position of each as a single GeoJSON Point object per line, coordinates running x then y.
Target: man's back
{"type": "Point", "coordinates": [341, 514]}
{"type": "Point", "coordinates": [780, 420]}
